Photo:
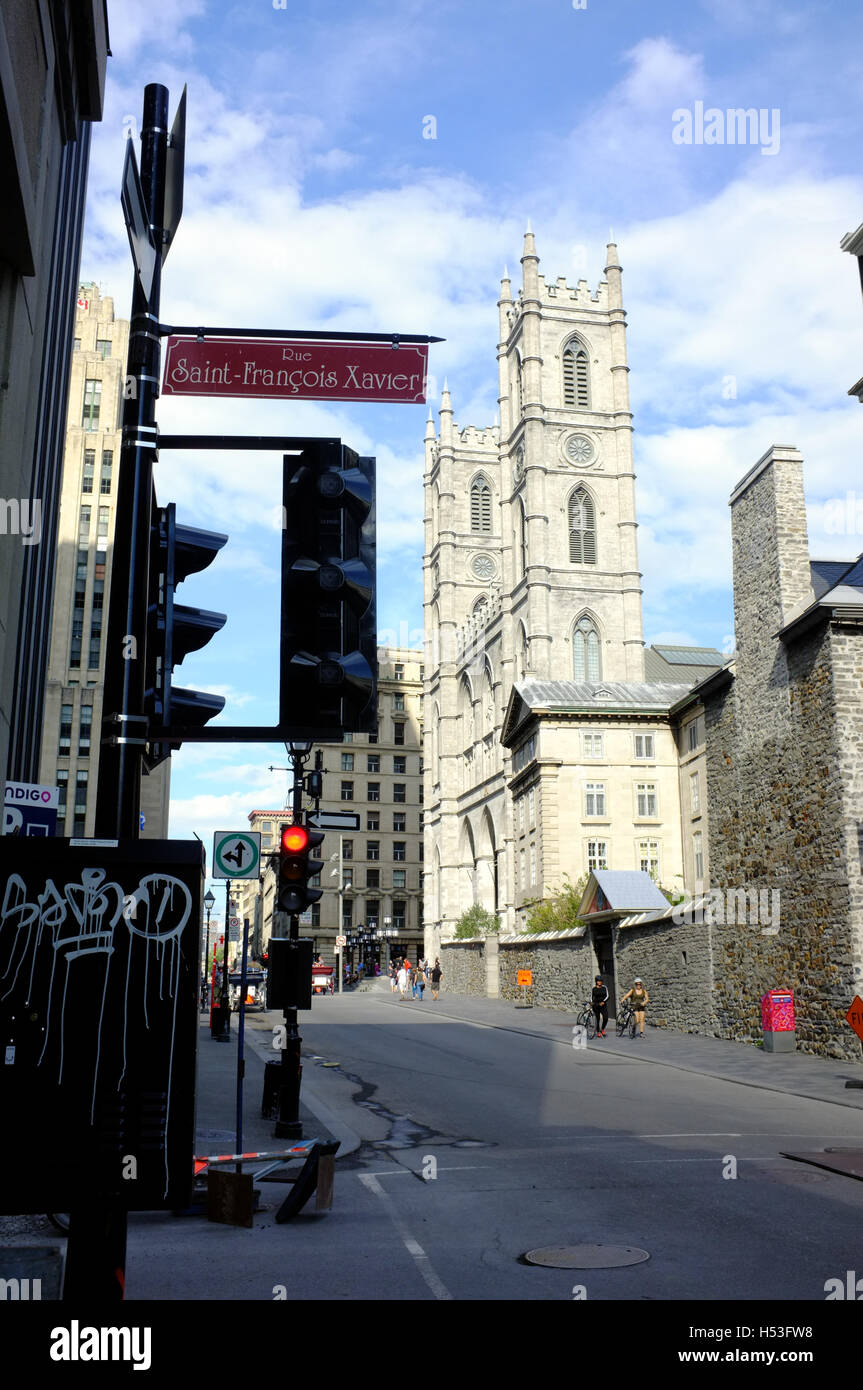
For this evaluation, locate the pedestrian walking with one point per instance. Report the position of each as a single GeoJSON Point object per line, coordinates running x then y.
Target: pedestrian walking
{"type": "Point", "coordinates": [394, 983]}
{"type": "Point", "coordinates": [421, 982]}
{"type": "Point", "coordinates": [599, 1002]}
{"type": "Point", "coordinates": [403, 981]}
{"type": "Point", "coordinates": [640, 1000]}
{"type": "Point", "coordinates": [436, 974]}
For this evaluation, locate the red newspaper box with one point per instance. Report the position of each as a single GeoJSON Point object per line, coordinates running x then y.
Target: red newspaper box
{"type": "Point", "coordinates": [777, 1020]}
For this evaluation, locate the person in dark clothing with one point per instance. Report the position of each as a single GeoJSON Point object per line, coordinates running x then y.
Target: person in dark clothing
{"type": "Point", "coordinates": [599, 1001]}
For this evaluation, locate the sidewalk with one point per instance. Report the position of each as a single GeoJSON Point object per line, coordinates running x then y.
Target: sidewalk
{"type": "Point", "coordinates": [794, 1073]}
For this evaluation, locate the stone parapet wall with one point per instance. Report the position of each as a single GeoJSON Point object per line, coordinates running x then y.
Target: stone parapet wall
{"type": "Point", "coordinates": [673, 960]}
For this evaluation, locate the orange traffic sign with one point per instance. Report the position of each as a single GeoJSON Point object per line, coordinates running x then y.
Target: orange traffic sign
{"type": "Point", "coordinates": [854, 1016]}
{"type": "Point", "coordinates": [525, 977]}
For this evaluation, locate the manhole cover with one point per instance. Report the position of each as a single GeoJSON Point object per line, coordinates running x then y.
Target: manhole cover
{"type": "Point", "coordinates": [586, 1256]}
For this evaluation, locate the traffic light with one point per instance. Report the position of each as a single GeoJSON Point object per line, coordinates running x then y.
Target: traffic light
{"type": "Point", "coordinates": [296, 867]}
{"type": "Point", "coordinates": [329, 612]}
{"type": "Point", "coordinates": [174, 630]}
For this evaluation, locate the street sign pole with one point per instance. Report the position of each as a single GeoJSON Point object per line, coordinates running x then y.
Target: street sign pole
{"type": "Point", "coordinates": [124, 725]}
{"type": "Point", "coordinates": [288, 1124]}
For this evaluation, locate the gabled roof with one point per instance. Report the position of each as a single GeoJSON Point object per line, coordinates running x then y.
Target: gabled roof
{"type": "Point", "coordinates": [620, 890]}
{"type": "Point", "coordinates": [530, 696]}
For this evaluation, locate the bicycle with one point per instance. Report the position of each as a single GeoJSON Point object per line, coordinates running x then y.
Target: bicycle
{"type": "Point", "coordinates": [587, 1020]}
{"type": "Point", "coordinates": [626, 1021]}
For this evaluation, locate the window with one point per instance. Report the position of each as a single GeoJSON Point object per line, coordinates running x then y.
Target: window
{"type": "Point", "coordinates": [95, 644]}
{"type": "Point", "coordinates": [698, 850]}
{"type": "Point", "coordinates": [399, 791]}
{"type": "Point", "coordinates": [89, 470]}
{"type": "Point", "coordinates": [648, 857]}
{"type": "Point", "coordinates": [92, 403]}
{"type": "Point", "coordinates": [422, 793]}
{"type": "Point", "coordinates": [64, 746]}
{"type": "Point", "coordinates": [400, 765]}
{"type": "Point", "coordinates": [582, 528]}
{"type": "Point", "coordinates": [373, 738]}
{"type": "Point", "coordinates": [592, 744]}
{"type": "Point", "coordinates": [398, 734]}
{"type": "Point", "coordinates": [316, 914]}
{"type": "Point", "coordinates": [531, 810]}
{"type": "Point", "coordinates": [521, 538]}
{"type": "Point", "coordinates": [347, 791]}
{"type": "Point", "coordinates": [80, 803]}
{"type": "Point", "coordinates": [399, 878]}
{"type": "Point", "coordinates": [374, 762]}
{"type": "Point", "coordinates": [422, 822]}
{"type": "Point", "coordinates": [576, 376]}
{"type": "Point", "coordinates": [523, 861]}
{"type": "Point", "coordinates": [85, 730]}
{"type": "Point", "coordinates": [373, 878]}
{"type": "Point", "coordinates": [104, 514]}
{"type": "Point", "coordinates": [103, 347]}
{"type": "Point", "coordinates": [421, 846]}
{"type": "Point", "coordinates": [63, 789]}
{"type": "Point", "coordinates": [480, 507]}
{"type": "Point", "coordinates": [399, 822]}
{"type": "Point", "coordinates": [76, 345]}
{"type": "Point", "coordinates": [400, 851]}
{"type": "Point", "coordinates": [594, 798]}
{"type": "Point", "coordinates": [84, 526]}
{"type": "Point", "coordinates": [373, 912]}
{"type": "Point", "coordinates": [586, 664]}
{"type": "Point", "coordinates": [521, 804]}
{"type": "Point", "coordinates": [399, 703]}
{"type": "Point", "coordinates": [422, 767]}
{"type": "Point", "coordinates": [347, 762]}
{"type": "Point", "coordinates": [76, 642]}
{"type": "Point", "coordinates": [399, 671]}
{"type": "Point", "coordinates": [374, 791]}
{"type": "Point", "coordinates": [646, 798]}
{"type": "Point", "coordinates": [399, 913]}
{"type": "Point", "coordinates": [597, 854]}
{"type": "Point", "coordinates": [693, 735]}
{"type": "Point", "coordinates": [347, 849]}
{"type": "Point", "coordinates": [373, 849]}
{"type": "Point", "coordinates": [81, 569]}
{"type": "Point", "coordinates": [347, 914]}
{"type": "Point", "coordinates": [644, 746]}
{"type": "Point", "coordinates": [524, 754]}
{"type": "Point", "coordinates": [347, 737]}
{"type": "Point", "coordinates": [348, 877]}
{"type": "Point", "coordinates": [373, 820]}
{"type": "Point", "coordinates": [533, 864]}
{"type": "Point", "coordinates": [694, 795]}
{"type": "Point", "coordinates": [98, 595]}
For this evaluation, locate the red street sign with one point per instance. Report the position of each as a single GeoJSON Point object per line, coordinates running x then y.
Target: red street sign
{"type": "Point", "coordinates": [854, 1016]}
{"type": "Point", "coordinates": [295, 369]}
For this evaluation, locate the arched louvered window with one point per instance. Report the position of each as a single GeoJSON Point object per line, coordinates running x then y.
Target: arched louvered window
{"type": "Point", "coordinates": [586, 663]}
{"type": "Point", "coordinates": [481, 603]}
{"type": "Point", "coordinates": [480, 506]}
{"type": "Point", "coordinates": [582, 528]}
{"type": "Point", "coordinates": [576, 376]}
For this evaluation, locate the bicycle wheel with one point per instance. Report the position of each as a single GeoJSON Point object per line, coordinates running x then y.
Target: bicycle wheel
{"type": "Point", "coordinates": [633, 1026]}
{"type": "Point", "coordinates": [590, 1023]}
{"type": "Point", "coordinates": [59, 1220]}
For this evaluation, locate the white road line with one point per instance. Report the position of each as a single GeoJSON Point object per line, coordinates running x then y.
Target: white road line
{"type": "Point", "coordinates": [414, 1249]}
{"type": "Point", "coordinates": [413, 1173]}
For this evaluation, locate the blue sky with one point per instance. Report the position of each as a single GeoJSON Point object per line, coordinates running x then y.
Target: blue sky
{"type": "Point", "coordinates": [313, 201]}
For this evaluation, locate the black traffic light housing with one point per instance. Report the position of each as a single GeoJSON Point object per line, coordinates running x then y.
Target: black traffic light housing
{"type": "Point", "coordinates": [329, 610]}
{"type": "Point", "coordinates": [297, 867]}
{"type": "Point", "coordinates": [174, 630]}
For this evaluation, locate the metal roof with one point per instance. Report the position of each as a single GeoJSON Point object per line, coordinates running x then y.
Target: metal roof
{"type": "Point", "coordinates": [689, 656]}
{"type": "Point", "coordinates": [626, 890]}
{"type": "Point", "coordinates": [578, 695]}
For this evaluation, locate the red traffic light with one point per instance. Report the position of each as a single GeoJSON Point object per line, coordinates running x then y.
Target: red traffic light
{"type": "Point", "coordinates": [295, 839]}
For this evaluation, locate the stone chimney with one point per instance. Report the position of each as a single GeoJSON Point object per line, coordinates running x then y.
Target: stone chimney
{"type": "Point", "coordinates": [771, 557]}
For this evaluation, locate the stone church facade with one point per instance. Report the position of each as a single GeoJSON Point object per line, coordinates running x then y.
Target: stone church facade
{"type": "Point", "coordinates": [532, 582]}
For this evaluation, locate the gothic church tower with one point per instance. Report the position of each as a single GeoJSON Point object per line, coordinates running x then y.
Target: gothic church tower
{"type": "Point", "coordinates": [531, 563]}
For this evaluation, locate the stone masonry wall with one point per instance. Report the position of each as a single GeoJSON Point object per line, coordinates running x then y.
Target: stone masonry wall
{"type": "Point", "coordinates": [673, 960]}
{"type": "Point", "coordinates": [463, 965]}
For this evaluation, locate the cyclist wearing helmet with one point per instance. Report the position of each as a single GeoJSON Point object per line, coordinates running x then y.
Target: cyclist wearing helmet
{"type": "Point", "coordinates": [640, 999]}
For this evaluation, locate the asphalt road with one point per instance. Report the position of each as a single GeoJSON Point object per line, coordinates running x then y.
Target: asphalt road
{"type": "Point", "coordinates": [477, 1144]}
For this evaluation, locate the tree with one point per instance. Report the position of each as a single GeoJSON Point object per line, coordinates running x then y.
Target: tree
{"type": "Point", "coordinates": [477, 921]}
{"type": "Point", "coordinates": [560, 911]}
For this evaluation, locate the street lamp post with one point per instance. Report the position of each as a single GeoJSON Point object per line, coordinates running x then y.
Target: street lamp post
{"type": "Point", "coordinates": [224, 1033]}
{"type": "Point", "coordinates": [209, 904]}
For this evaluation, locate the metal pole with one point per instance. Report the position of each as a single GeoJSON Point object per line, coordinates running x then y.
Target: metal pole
{"type": "Point", "coordinates": [96, 1251]}
{"type": "Point", "coordinates": [241, 1033]}
{"type": "Point", "coordinates": [224, 1033]}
